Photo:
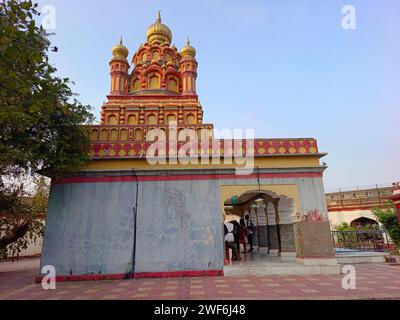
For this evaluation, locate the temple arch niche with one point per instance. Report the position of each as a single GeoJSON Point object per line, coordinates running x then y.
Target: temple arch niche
{"type": "Point", "coordinates": [151, 119]}
{"type": "Point", "coordinates": [173, 84]}
{"type": "Point", "coordinates": [132, 120]}
{"type": "Point", "coordinates": [155, 55]}
{"type": "Point", "coordinates": [104, 135]}
{"type": "Point", "coordinates": [171, 118]}
{"type": "Point", "coordinates": [123, 135]}
{"type": "Point", "coordinates": [181, 135]}
{"type": "Point", "coordinates": [112, 119]}
{"type": "Point", "coordinates": [154, 81]}
{"type": "Point", "coordinates": [94, 135]}
{"type": "Point", "coordinates": [136, 84]}
{"type": "Point", "coordinates": [114, 135]}
{"type": "Point", "coordinates": [138, 134]}
{"type": "Point", "coordinates": [190, 119]}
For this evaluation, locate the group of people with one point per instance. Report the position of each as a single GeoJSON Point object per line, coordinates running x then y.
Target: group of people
{"type": "Point", "coordinates": [237, 233]}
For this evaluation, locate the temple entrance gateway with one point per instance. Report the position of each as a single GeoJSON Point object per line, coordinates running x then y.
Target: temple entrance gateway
{"type": "Point", "coordinates": [273, 216]}
{"type": "Point", "coordinates": [278, 248]}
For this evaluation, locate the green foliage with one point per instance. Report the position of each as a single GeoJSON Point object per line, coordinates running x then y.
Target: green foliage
{"type": "Point", "coordinates": [388, 217]}
{"type": "Point", "coordinates": [345, 239]}
{"type": "Point", "coordinates": [21, 217]}
{"type": "Point", "coordinates": [344, 227]}
{"type": "Point", "coordinates": [350, 237]}
{"type": "Point", "coordinates": [40, 121]}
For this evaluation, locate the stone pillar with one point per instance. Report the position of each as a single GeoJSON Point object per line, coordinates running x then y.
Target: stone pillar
{"type": "Point", "coordinates": [314, 244]}
{"type": "Point", "coordinates": [288, 246]}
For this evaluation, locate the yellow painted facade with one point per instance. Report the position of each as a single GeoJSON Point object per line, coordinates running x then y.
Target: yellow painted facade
{"type": "Point", "coordinates": [143, 164]}
{"type": "Point", "coordinates": [289, 190]}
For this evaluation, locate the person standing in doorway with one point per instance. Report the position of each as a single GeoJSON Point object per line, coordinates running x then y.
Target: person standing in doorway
{"type": "Point", "coordinates": [236, 235]}
{"type": "Point", "coordinates": [250, 231]}
{"type": "Point", "coordinates": [230, 241]}
{"type": "Point", "coordinates": [243, 233]}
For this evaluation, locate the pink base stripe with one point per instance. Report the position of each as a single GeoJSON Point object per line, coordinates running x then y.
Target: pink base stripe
{"type": "Point", "coordinates": [140, 275]}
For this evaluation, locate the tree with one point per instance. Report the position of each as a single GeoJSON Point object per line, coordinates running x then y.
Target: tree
{"type": "Point", "coordinates": [41, 121]}
{"type": "Point", "coordinates": [21, 217]}
{"type": "Point", "coordinates": [388, 218]}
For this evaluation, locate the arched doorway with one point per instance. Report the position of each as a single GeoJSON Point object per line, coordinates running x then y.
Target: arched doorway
{"type": "Point", "coordinates": [364, 223]}
{"type": "Point", "coordinates": [273, 215]}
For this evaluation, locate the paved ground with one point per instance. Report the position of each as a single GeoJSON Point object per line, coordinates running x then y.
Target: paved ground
{"type": "Point", "coordinates": [374, 281]}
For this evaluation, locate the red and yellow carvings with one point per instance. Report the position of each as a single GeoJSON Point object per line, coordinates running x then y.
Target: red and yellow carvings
{"type": "Point", "coordinates": [158, 68]}
{"type": "Point", "coordinates": [160, 89]}
{"type": "Point", "coordinates": [135, 149]}
{"type": "Point", "coordinates": [160, 92]}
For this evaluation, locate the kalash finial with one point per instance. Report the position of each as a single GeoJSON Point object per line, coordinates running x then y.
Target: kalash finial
{"type": "Point", "coordinates": [158, 32]}
{"type": "Point", "coordinates": [120, 50]}
{"type": "Point", "coordinates": [188, 50]}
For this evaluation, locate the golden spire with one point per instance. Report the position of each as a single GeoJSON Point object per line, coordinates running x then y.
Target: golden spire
{"type": "Point", "coordinates": [120, 50]}
{"type": "Point", "coordinates": [188, 50]}
{"type": "Point", "coordinates": [159, 32]}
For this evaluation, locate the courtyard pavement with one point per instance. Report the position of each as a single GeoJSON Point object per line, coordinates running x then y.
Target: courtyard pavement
{"type": "Point", "coordinates": [374, 281]}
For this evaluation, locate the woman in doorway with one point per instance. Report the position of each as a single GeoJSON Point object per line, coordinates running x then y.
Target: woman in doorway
{"type": "Point", "coordinates": [236, 235]}
{"type": "Point", "coordinates": [242, 234]}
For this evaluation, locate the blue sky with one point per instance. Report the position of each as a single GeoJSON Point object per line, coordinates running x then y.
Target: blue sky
{"type": "Point", "coordinates": [285, 68]}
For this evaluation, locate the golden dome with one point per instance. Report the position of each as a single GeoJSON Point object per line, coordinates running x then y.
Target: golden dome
{"type": "Point", "coordinates": [120, 50]}
{"type": "Point", "coordinates": [159, 32]}
{"type": "Point", "coordinates": [188, 50]}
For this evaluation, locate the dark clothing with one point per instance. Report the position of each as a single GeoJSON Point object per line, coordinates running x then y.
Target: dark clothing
{"type": "Point", "coordinates": [251, 230]}
{"type": "Point", "coordinates": [237, 237]}
{"type": "Point", "coordinates": [250, 238]}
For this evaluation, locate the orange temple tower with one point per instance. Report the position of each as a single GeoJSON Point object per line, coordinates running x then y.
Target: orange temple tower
{"type": "Point", "coordinates": [160, 90]}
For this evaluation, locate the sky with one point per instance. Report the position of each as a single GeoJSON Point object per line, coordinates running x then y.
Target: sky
{"type": "Point", "coordinates": [285, 68]}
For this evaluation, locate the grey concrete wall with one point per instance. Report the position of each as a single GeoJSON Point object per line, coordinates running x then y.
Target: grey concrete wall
{"type": "Point", "coordinates": [89, 228]}
{"type": "Point", "coordinates": [312, 195]}
{"type": "Point", "coordinates": [180, 226]}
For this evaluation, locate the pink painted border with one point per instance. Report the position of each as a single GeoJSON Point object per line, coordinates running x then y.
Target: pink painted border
{"type": "Point", "coordinates": [140, 275]}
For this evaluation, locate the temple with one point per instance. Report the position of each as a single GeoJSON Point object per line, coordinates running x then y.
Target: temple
{"type": "Point", "coordinates": [153, 198]}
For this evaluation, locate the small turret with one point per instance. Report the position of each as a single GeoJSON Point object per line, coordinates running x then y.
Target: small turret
{"type": "Point", "coordinates": [119, 67]}
{"type": "Point", "coordinates": [188, 66]}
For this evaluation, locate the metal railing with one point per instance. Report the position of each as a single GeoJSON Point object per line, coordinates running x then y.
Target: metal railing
{"type": "Point", "coordinates": [387, 185]}
{"type": "Point", "coordinates": [360, 241]}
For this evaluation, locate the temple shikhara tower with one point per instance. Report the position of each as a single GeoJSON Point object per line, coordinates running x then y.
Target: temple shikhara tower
{"type": "Point", "coordinates": [124, 214]}
{"type": "Point", "coordinates": [159, 90]}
